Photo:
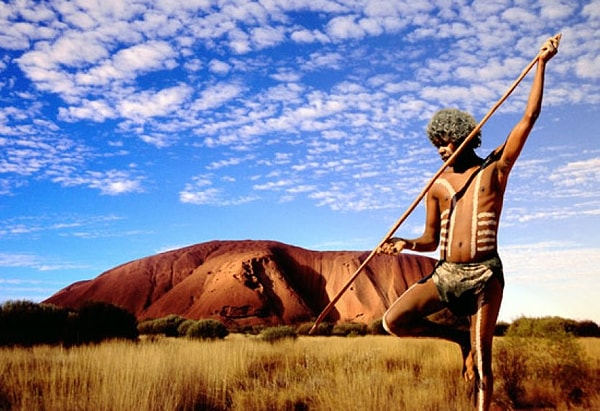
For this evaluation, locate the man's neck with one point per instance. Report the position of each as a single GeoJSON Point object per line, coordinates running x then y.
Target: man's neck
{"type": "Point", "coordinates": [466, 160]}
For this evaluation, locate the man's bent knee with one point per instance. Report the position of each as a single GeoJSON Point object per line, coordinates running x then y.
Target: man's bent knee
{"type": "Point", "coordinates": [386, 325]}
{"type": "Point", "coordinates": [398, 325]}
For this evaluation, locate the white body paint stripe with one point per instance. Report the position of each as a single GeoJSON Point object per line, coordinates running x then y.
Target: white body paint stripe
{"type": "Point", "coordinates": [475, 216]}
{"type": "Point", "coordinates": [446, 246]}
{"type": "Point", "coordinates": [479, 358]}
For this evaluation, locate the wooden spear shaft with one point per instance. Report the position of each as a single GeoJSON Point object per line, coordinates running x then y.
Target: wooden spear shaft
{"type": "Point", "coordinates": [417, 200]}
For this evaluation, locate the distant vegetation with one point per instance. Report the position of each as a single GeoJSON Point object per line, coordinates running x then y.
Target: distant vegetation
{"type": "Point", "coordinates": [26, 323]}
{"type": "Point", "coordinates": [552, 326]}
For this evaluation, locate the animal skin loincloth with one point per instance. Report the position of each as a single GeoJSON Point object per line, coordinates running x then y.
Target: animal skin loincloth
{"type": "Point", "coordinates": [459, 284]}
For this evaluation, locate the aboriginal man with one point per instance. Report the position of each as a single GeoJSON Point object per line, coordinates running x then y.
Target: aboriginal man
{"type": "Point", "coordinates": [463, 210]}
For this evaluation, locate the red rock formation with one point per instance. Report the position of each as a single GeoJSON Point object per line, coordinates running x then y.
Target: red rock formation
{"type": "Point", "coordinates": [251, 282]}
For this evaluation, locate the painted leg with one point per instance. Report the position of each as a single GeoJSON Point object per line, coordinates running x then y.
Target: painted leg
{"type": "Point", "coordinates": [406, 317]}
{"type": "Point", "coordinates": [483, 325]}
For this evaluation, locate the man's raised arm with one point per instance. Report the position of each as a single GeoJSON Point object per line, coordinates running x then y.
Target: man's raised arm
{"type": "Point", "coordinates": [517, 137]}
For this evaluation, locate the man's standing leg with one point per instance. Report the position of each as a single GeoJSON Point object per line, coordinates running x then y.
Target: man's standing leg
{"type": "Point", "coordinates": [483, 324]}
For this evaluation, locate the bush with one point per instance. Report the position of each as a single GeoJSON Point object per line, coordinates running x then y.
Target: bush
{"type": "Point", "coordinates": [168, 326]}
{"type": "Point", "coordinates": [185, 326]}
{"type": "Point", "coordinates": [501, 329]}
{"type": "Point", "coordinates": [588, 329]}
{"type": "Point", "coordinates": [376, 327]}
{"type": "Point", "coordinates": [323, 328]}
{"type": "Point", "coordinates": [98, 321]}
{"type": "Point", "coordinates": [538, 372]}
{"type": "Point", "coordinates": [278, 333]}
{"type": "Point", "coordinates": [27, 323]}
{"type": "Point", "coordinates": [207, 329]}
{"type": "Point", "coordinates": [349, 329]}
{"type": "Point", "coordinates": [250, 329]}
{"type": "Point", "coordinates": [551, 326]}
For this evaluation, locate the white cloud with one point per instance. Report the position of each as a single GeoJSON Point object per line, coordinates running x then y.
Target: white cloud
{"type": "Point", "coordinates": [36, 262]}
{"type": "Point", "coordinates": [96, 110]}
{"type": "Point", "coordinates": [263, 37]}
{"type": "Point", "coordinates": [309, 36]}
{"type": "Point", "coordinates": [18, 260]}
{"type": "Point", "coordinates": [215, 165]}
{"type": "Point", "coordinates": [111, 182]}
{"type": "Point", "coordinates": [556, 9]}
{"type": "Point", "coordinates": [592, 10]}
{"type": "Point", "coordinates": [158, 140]}
{"type": "Point", "coordinates": [518, 15]}
{"type": "Point", "coordinates": [345, 27]}
{"type": "Point", "coordinates": [549, 264]}
{"type": "Point", "coordinates": [128, 63]}
{"type": "Point", "coordinates": [582, 175]}
{"type": "Point", "coordinates": [219, 67]}
{"type": "Point", "coordinates": [76, 49]}
{"type": "Point", "coordinates": [151, 104]}
{"type": "Point", "coordinates": [588, 67]}
{"type": "Point", "coordinates": [273, 185]}
{"type": "Point", "coordinates": [215, 96]}
{"type": "Point", "coordinates": [211, 196]}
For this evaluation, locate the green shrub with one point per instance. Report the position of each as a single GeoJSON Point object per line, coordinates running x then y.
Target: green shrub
{"type": "Point", "coordinates": [588, 329]}
{"type": "Point", "coordinates": [501, 329]}
{"type": "Point", "coordinates": [349, 329]}
{"type": "Point", "coordinates": [207, 329]}
{"type": "Point", "coordinates": [554, 365]}
{"type": "Point", "coordinates": [98, 321]}
{"type": "Point", "coordinates": [146, 327]}
{"type": "Point", "coordinates": [323, 328]}
{"type": "Point", "coordinates": [278, 333]}
{"type": "Point", "coordinates": [27, 323]}
{"type": "Point", "coordinates": [185, 326]}
{"type": "Point", "coordinates": [168, 326]}
{"type": "Point", "coordinates": [375, 327]}
{"type": "Point", "coordinates": [551, 326]}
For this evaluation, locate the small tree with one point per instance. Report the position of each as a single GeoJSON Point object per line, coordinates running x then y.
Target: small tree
{"type": "Point", "coordinates": [28, 323]}
{"type": "Point", "coordinates": [278, 333]}
{"type": "Point", "coordinates": [349, 329]}
{"type": "Point", "coordinates": [323, 328]}
{"type": "Point", "coordinates": [185, 326]}
{"type": "Point", "coordinates": [375, 327]}
{"type": "Point", "coordinates": [501, 329]}
{"type": "Point", "coordinates": [169, 326]}
{"type": "Point", "coordinates": [541, 350]}
{"type": "Point", "coordinates": [207, 329]}
{"type": "Point", "coordinates": [588, 329]}
{"type": "Point", "coordinates": [97, 321]}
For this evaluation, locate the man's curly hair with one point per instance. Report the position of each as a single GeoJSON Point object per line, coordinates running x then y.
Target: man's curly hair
{"type": "Point", "coordinates": [452, 125]}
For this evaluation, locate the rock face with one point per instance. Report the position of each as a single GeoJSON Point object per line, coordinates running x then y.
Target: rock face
{"type": "Point", "coordinates": [251, 282]}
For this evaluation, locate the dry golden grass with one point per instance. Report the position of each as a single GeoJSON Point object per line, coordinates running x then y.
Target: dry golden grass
{"type": "Point", "coordinates": [242, 373]}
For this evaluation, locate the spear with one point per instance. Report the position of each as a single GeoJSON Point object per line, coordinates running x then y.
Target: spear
{"type": "Point", "coordinates": [417, 200]}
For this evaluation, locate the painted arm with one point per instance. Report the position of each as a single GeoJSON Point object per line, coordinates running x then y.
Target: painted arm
{"type": "Point", "coordinates": [516, 139]}
{"type": "Point", "coordinates": [430, 238]}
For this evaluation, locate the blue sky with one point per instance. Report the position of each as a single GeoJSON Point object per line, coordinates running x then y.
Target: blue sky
{"type": "Point", "coordinates": [129, 128]}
